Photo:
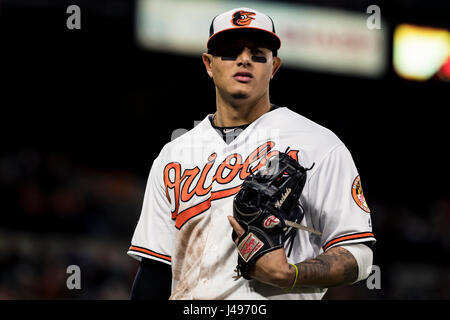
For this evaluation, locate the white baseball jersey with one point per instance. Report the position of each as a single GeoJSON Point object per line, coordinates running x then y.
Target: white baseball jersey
{"type": "Point", "coordinates": [190, 192]}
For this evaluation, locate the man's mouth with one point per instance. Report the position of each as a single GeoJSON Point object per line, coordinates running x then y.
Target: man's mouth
{"type": "Point", "coordinates": [243, 76]}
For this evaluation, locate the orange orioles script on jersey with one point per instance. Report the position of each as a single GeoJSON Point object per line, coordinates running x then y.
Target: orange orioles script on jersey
{"type": "Point", "coordinates": [181, 182]}
{"type": "Point", "coordinates": [242, 18]}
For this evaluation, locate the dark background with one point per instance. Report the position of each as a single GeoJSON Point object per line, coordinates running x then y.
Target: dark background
{"type": "Point", "coordinates": [85, 112]}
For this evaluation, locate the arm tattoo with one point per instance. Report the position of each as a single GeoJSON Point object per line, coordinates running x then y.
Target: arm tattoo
{"type": "Point", "coordinates": [333, 268]}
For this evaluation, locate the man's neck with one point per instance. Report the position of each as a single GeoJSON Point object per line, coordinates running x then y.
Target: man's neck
{"type": "Point", "coordinates": [238, 114]}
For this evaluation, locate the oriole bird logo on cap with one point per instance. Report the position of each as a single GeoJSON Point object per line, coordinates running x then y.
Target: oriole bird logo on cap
{"type": "Point", "coordinates": [242, 18]}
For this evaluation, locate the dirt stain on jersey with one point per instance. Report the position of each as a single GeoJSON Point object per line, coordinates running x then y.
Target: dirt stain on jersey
{"type": "Point", "coordinates": [189, 251]}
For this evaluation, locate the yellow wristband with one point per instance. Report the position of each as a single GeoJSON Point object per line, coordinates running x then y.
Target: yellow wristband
{"type": "Point", "coordinates": [296, 275]}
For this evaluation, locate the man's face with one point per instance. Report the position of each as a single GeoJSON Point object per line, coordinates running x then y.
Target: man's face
{"type": "Point", "coordinates": [241, 68]}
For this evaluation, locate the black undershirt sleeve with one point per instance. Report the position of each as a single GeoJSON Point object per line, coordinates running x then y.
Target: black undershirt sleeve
{"type": "Point", "coordinates": [152, 282]}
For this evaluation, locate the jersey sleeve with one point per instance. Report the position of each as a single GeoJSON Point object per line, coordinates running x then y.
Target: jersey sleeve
{"type": "Point", "coordinates": [337, 203]}
{"type": "Point", "coordinates": [153, 236]}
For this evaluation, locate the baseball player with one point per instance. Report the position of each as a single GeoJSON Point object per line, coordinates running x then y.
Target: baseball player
{"type": "Point", "coordinates": [183, 236]}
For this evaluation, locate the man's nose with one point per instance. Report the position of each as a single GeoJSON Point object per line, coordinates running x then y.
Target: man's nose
{"type": "Point", "coordinates": [245, 57]}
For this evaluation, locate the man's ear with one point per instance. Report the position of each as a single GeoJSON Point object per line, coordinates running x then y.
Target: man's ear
{"type": "Point", "coordinates": [276, 64]}
{"type": "Point", "coordinates": [207, 60]}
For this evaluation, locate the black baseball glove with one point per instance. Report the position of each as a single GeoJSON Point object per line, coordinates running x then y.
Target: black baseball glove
{"type": "Point", "coordinates": [266, 200]}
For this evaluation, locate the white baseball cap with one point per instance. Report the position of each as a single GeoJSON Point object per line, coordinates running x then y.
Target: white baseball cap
{"type": "Point", "coordinates": [236, 20]}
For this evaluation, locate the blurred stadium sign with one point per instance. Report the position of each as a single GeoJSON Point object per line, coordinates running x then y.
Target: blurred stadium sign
{"type": "Point", "coordinates": [326, 40]}
{"type": "Point", "coordinates": [421, 52]}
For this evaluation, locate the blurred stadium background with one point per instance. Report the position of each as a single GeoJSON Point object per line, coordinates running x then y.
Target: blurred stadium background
{"type": "Point", "coordinates": [84, 113]}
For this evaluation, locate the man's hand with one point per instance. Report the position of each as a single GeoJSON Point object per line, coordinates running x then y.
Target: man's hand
{"type": "Point", "coordinates": [271, 268]}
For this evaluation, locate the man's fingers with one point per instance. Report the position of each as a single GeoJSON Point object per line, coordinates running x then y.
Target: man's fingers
{"type": "Point", "coordinates": [236, 226]}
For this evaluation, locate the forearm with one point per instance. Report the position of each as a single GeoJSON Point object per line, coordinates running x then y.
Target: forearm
{"type": "Point", "coordinates": [335, 267]}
